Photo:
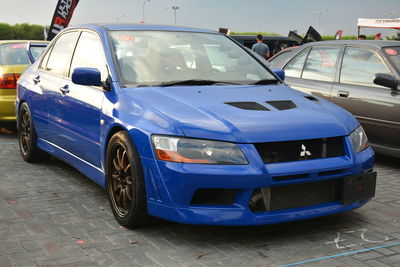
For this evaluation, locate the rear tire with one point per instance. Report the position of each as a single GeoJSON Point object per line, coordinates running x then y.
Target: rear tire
{"type": "Point", "coordinates": [125, 182]}
{"type": "Point", "coordinates": [27, 137]}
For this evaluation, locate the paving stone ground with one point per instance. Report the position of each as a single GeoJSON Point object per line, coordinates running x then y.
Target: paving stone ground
{"type": "Point", "coordinates": [51, 215]}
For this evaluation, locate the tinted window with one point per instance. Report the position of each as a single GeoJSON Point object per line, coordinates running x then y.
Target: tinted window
{"type": "Point", "coordinates": [360, 65]}
{"type": "Point", "coordinates": [14, 54]}
{"type": "Point", "coordinates": [295, 67]}
{"type": "Point", "coordinates": [321, 64]}
{"type": "Point", "coordinates": [89, 54]}
{"type": "Point", "coordinates": [59, 58]}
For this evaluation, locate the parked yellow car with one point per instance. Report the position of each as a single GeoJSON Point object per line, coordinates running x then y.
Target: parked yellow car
{"type": "Point", "coordinates": [15, 56]}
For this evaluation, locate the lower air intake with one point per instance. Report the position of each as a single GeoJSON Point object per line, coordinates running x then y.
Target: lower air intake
{"type": "Point", "coordinates": [295, 196]}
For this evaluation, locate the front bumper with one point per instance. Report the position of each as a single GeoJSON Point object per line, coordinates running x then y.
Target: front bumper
{"type": "Point", "coordinates": [171, 188]}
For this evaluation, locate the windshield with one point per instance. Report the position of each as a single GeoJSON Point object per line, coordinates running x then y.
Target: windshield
{"type": "Point", "coordinates": [393, 53]}
{"type": "Point", "coordinates": [14, 54]}
{"type": "Point", "coordinates": [151, 58]}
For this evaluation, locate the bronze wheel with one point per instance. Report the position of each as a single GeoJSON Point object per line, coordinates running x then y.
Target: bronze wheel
{"type": "Point", "coordinates": [27, 136]}
{"type": "Point", "coordinates": [121, 186]}
{"type": "Point", "coordinates": [125, 182]}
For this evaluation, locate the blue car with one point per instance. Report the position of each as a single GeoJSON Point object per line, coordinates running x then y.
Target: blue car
{"type": "Point", "coordinates": [186, 125]}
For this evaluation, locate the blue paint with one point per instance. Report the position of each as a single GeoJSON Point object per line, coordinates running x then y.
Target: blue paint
{"type": "Point", "coordinates": [340, 255]}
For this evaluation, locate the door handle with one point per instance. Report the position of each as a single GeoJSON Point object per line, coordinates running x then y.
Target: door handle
{"type": "Point", "coordinates": [65, 89]}
{"type": "Point", "coordinates": [343, 93]}
{"type": "Point", "coordinates": [36, 80]}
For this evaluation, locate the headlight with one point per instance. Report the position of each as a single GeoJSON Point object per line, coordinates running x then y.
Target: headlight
{"type": "Point", "coordinates": [359, 140]}
{"type": "Point", "coordinates": [189, 150]}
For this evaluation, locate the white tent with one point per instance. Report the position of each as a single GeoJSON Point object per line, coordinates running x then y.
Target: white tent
{"type": "Point", "coordinates": [378, 23]}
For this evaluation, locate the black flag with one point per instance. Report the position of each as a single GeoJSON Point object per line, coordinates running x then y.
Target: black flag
{"type": "Point", "coordinates": [61, 17]}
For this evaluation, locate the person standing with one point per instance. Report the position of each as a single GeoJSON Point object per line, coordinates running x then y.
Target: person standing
{"type": "Point", "coordinates": [261, 48]}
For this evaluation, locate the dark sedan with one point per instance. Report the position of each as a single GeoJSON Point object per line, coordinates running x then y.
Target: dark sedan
{"type": "Point", "coordinates": [361, 76]}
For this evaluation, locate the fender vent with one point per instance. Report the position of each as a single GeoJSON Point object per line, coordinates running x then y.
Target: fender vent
{"type": "Point", "coordinates": [282, 105]}
{"type": "Point", "coordinates": [247, 105]}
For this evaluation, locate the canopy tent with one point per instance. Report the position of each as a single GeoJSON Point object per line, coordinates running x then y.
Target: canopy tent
{"type": "Point", "coordinates": [378, 23]}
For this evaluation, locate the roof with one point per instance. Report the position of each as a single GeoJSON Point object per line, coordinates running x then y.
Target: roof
{"type": "Point", "coordinates": [142, 27]}
{"type": "Point", "coordinates": [370, 43]}
{"type": "Point", "coordinates": [265, 37]}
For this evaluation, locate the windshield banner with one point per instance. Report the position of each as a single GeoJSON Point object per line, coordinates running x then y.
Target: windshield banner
{"type": "Point", "coordinates": [62, 16]}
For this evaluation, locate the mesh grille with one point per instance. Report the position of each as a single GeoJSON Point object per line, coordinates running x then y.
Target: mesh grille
{"type": "Point", "coordinates": [276, 152]}
{"type": "Point", "coordinates": [282, 105]}
{"type": "Point", "coordinates": [247, 105]}
{"type": "Point", "coordinates": [295, 196]}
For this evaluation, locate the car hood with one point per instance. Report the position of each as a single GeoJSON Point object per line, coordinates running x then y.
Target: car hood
{"type": "Point", "coordinates": [212, 112]}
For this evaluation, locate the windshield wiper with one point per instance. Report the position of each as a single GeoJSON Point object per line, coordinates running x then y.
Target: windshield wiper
{"type": "Point", "coordinates": [194, 82]}
{"type": "Point", "coordinates": [265, 81]}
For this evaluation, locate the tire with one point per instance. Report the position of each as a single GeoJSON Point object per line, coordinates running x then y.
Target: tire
{"type": "Point", "coordinates": [125, 182]}
{"type": "Point", "coordinates": [27, 137]}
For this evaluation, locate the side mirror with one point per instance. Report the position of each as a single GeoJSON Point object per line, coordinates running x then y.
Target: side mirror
{"type": "Point", "coordinates": [386, 80]}
{"type": "Point", "coordinates": [87, 76]}
{"type": "Point", "coordinates": [280, 73]}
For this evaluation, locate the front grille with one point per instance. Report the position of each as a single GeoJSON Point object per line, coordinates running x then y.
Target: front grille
{"type": "Point", "coordinates": [276, 152]}
{"type": "Point", "coordinates": [295, 196]}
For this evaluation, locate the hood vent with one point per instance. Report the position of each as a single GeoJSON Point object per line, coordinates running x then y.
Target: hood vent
{"type": "Point", "coordinates": [282, 105]}
{"type": "Point", "coordinates": [247, 105]}
{"type": "Point", "coordinates": [309, 97]}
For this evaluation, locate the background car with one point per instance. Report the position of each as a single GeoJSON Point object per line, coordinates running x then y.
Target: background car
{"type": "Point", "coordinates": [15, 56]}
{"type": "Point", "coordinates": [275, 43]}
{"type": "Point", "coordinates": [360, 76]}
{"type": "Point", "coordinates": [186, 125]}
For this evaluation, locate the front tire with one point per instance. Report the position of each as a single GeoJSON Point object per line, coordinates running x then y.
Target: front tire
{"type": "Point", "coordinates": [125, 182]}
{"type": "Point", "coordinates": [27, 136]}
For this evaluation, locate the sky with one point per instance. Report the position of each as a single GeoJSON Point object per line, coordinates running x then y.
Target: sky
{"type": "Point", "coordinates": [238, 15]}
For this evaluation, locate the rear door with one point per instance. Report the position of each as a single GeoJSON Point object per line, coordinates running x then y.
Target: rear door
{"type": "Point", "coordinates": [314, 70]}
{"type": "Point", "coordinates": [376, 107]}
{"type": "Point", "coordinates": [47, 82]}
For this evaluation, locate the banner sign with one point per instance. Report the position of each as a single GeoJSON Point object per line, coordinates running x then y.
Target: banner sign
{"type": "Point", "coordinates": [379, 23]}
{"type": "Point", "coordinates": [61, 17]}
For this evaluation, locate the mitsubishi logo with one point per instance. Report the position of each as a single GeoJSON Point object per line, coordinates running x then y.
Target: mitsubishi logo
{"type": "Point", "coordinates": [304, 151]}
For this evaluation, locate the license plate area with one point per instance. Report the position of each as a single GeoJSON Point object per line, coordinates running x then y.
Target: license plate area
{"type": "Point", "coordinates": [358, 187]}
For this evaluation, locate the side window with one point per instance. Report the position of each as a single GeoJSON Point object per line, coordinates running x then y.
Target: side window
{"type": "Point", "coordinates": [321, 64]}
{"type": "Point", "coordinates": [58, 61]}
{"type": "Point", "coordinates": [360, 65]}
{"type": "Point", "coordinates": [295, 67]}
{"type": "Point", "coordinates": [89, 54]}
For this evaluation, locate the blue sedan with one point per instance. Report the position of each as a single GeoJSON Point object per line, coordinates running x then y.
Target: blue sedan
{"type": "Point", "coordinates": [186, 125]}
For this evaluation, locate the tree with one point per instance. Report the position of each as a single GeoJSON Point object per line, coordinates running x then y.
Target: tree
{"type": "Point", "coordinates": [22, 31]}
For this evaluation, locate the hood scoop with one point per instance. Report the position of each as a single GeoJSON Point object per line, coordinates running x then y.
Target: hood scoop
{"type": "Point", "coordinates": [282, 104]}
{"type": "Point", "coordinates": [247, 105]}
{"type": "Point", "coordinates": [309, 97]}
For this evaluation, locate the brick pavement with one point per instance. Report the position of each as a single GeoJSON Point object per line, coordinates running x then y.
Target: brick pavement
{"type": "Point", "coordinates": [51, 215]}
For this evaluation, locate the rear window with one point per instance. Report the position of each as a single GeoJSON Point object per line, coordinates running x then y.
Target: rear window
{"type": "Point", "coordinates": [393, 53]}
{"type": "Point", "coordinates": [14, 54]}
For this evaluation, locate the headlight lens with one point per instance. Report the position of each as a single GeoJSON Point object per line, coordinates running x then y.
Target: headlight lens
{"type": "Point", "coordinates": [359, 140]}
{"type": "Point", "coordinates": [189, 150]}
